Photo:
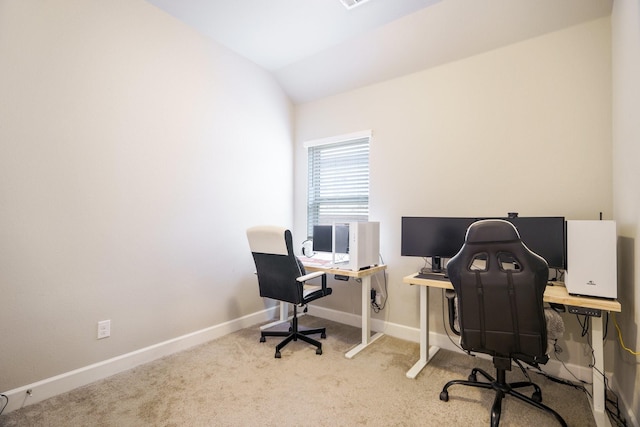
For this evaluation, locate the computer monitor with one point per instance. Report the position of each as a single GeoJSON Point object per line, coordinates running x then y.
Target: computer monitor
{"type": "Point", "coordinates": [435, 237]}
{"type": "Point", "coordinates": [546, 236]}
{"type": "Point", "coordinates": [323, 238]}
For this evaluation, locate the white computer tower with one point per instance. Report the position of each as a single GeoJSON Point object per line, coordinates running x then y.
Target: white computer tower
{"type": "Point", "coordinates": [592, 258]}
{"type": "Point", "coordinates": [364, 245]}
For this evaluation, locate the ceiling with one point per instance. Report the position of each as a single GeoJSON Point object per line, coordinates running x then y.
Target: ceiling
{"type": "Point", "coordinates": [318, 48]}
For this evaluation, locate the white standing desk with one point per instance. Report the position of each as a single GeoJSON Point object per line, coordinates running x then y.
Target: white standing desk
{"type": "Point", "coordinates": [556, 294]}
{"type": "Point", "coordinates": [365, 275]}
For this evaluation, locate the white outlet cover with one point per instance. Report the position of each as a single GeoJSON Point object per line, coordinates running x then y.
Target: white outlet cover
{"type": "Point", "coordinates": [104, 329]}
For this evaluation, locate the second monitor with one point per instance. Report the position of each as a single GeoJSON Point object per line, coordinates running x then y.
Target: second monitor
{"type": "Point", "coordinates": [434, 237]}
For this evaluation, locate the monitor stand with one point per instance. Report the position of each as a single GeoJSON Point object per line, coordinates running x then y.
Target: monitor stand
{"type": "Point", "coordinates": [435, 272]}
{"type": "Point", "coordinates": [436, 264]}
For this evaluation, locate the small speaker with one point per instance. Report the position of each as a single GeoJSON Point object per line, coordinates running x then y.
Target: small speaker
{"type": "Point", "coordinates": [592, 259]}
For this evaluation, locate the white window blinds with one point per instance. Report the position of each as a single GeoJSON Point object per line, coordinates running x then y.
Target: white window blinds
{"type": "Point", "coordinates": [338, 181]}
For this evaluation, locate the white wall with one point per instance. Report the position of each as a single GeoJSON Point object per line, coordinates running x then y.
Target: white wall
{"type": "Point", "coordinates": [524, 128]}
{"type": "Point", "coordinates": [134, 153]}
{"type": "Point", "coordinates": [625, 22]}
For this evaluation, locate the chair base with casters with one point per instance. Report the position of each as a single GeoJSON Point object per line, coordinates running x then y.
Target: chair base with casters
{"type": "Point", "coordinates": [295, 334]}
{"type": "Point", "coordinates": [502, 389]}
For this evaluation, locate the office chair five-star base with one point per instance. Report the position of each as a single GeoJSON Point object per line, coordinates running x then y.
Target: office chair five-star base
{"type": "Point", "coordinates": [295, 334]}
{"type": "Point", "coordinates": [502, 389]}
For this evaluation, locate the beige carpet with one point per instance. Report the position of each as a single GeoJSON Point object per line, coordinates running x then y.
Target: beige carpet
{"type": "Point", "coordinates": [236, 381]}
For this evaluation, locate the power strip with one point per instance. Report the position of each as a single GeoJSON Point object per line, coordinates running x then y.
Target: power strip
{"type": "Point", "coordinates": [584, 311]}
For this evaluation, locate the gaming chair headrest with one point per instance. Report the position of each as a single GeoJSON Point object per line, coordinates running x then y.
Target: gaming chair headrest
{"type": "Point", "coordinates": [491, 230]}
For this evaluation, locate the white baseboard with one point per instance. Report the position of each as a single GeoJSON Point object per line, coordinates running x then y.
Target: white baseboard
{"type": "Point", "coordinates": [49, 387]}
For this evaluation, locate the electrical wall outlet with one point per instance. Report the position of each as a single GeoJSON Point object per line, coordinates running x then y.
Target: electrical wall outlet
{"type": "Point", "coordinates": [104, 329]}
{"type": "Point", "coordinates": [379, 298]}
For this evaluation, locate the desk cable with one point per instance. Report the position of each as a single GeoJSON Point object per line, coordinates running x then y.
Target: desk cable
{"type": "Point", "coordinates": [583, 321]}
{"type": "Point", "coordinates": [624, 347]}
{"type": "Point", "coordinates": [374, 304]}
{"type": "Point", "coordinates": [559, 276]}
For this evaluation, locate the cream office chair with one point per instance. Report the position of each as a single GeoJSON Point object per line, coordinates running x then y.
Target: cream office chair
{"type": "Point", "coordinates": [281, 276]}
{"type": "Point", "coordinates": [499, 284]}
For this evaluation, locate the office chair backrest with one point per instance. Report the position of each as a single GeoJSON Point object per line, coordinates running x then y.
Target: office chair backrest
{"type": "Point", "coordinates": [277, 266]}
{"type": "Point", "coordinates": [500, 284]}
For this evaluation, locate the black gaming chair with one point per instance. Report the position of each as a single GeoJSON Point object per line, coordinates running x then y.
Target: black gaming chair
{"type": "Point", "coordinates": [499, 284]}
{"type": "Point", "coordinates": [281, 276]}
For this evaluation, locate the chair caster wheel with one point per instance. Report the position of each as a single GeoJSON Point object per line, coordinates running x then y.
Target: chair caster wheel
{"type": "Point", "coordinates": [278, 356]}
{"type": "Point", "coordinates": [473, 378]}
{"type": "Point", "coordinates": [536, 397]}
{"type": "Point", "coordinates": [318, 351]}
{"type": "Point", "coordinates": [444, 396]}
{"type": "Point", "coordinates": [323, 335]}
{"type": "Point", "coordinates": [262, 339]}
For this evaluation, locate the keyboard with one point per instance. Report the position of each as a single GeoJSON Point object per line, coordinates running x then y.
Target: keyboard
{"type": "Point", "coordinates": [432, 276]}
{"type": "Point", "coordinates": [316, 262]}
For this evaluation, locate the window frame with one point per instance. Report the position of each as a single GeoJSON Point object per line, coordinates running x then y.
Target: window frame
{"type": "Point", "coordinates": [340, 163]}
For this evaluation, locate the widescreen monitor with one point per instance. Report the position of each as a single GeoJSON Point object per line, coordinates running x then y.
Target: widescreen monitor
{"type": "Point", "coordinates": [442, 237]}
{"type": "Point", "coordinates": [546, 236]}
{"type": "Point", "coordinates": [434, 237]}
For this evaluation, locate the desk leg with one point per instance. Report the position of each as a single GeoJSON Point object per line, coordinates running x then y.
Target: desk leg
{"type": "Point", "coordinates": [284, 316]}
{"type": "Point", "coordinates": [598, 404]}
{"type": "Point", "coordinates": [426, 352]}
{"type": "Point", "coordinates": [366, 320]}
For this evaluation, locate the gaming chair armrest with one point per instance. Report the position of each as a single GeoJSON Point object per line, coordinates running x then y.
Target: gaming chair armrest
{"type": "Point", "coordinates": [451, 295]}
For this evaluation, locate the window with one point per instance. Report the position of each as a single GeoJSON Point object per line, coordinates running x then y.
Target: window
{"type": "Point", "coordinates": [338, 186]}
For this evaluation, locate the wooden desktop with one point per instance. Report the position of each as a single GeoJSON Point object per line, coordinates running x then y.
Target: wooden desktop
{"type": "Point", "coordinates": [553, 294]}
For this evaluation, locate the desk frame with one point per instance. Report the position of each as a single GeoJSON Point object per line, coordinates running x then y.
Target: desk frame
{"type": "Point", "coordinates": [365, 276]}
{"type": "Point", "coordinates": [284, 316]}
{"type": "Point", "coordinates": [556, 294]}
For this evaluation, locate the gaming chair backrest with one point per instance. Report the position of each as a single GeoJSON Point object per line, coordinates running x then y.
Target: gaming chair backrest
{"type": "Point", "coordinates": [499, 284]}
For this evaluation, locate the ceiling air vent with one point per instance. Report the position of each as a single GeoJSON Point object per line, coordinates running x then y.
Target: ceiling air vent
{"type": "Point", "coordinates": [350, 4]}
